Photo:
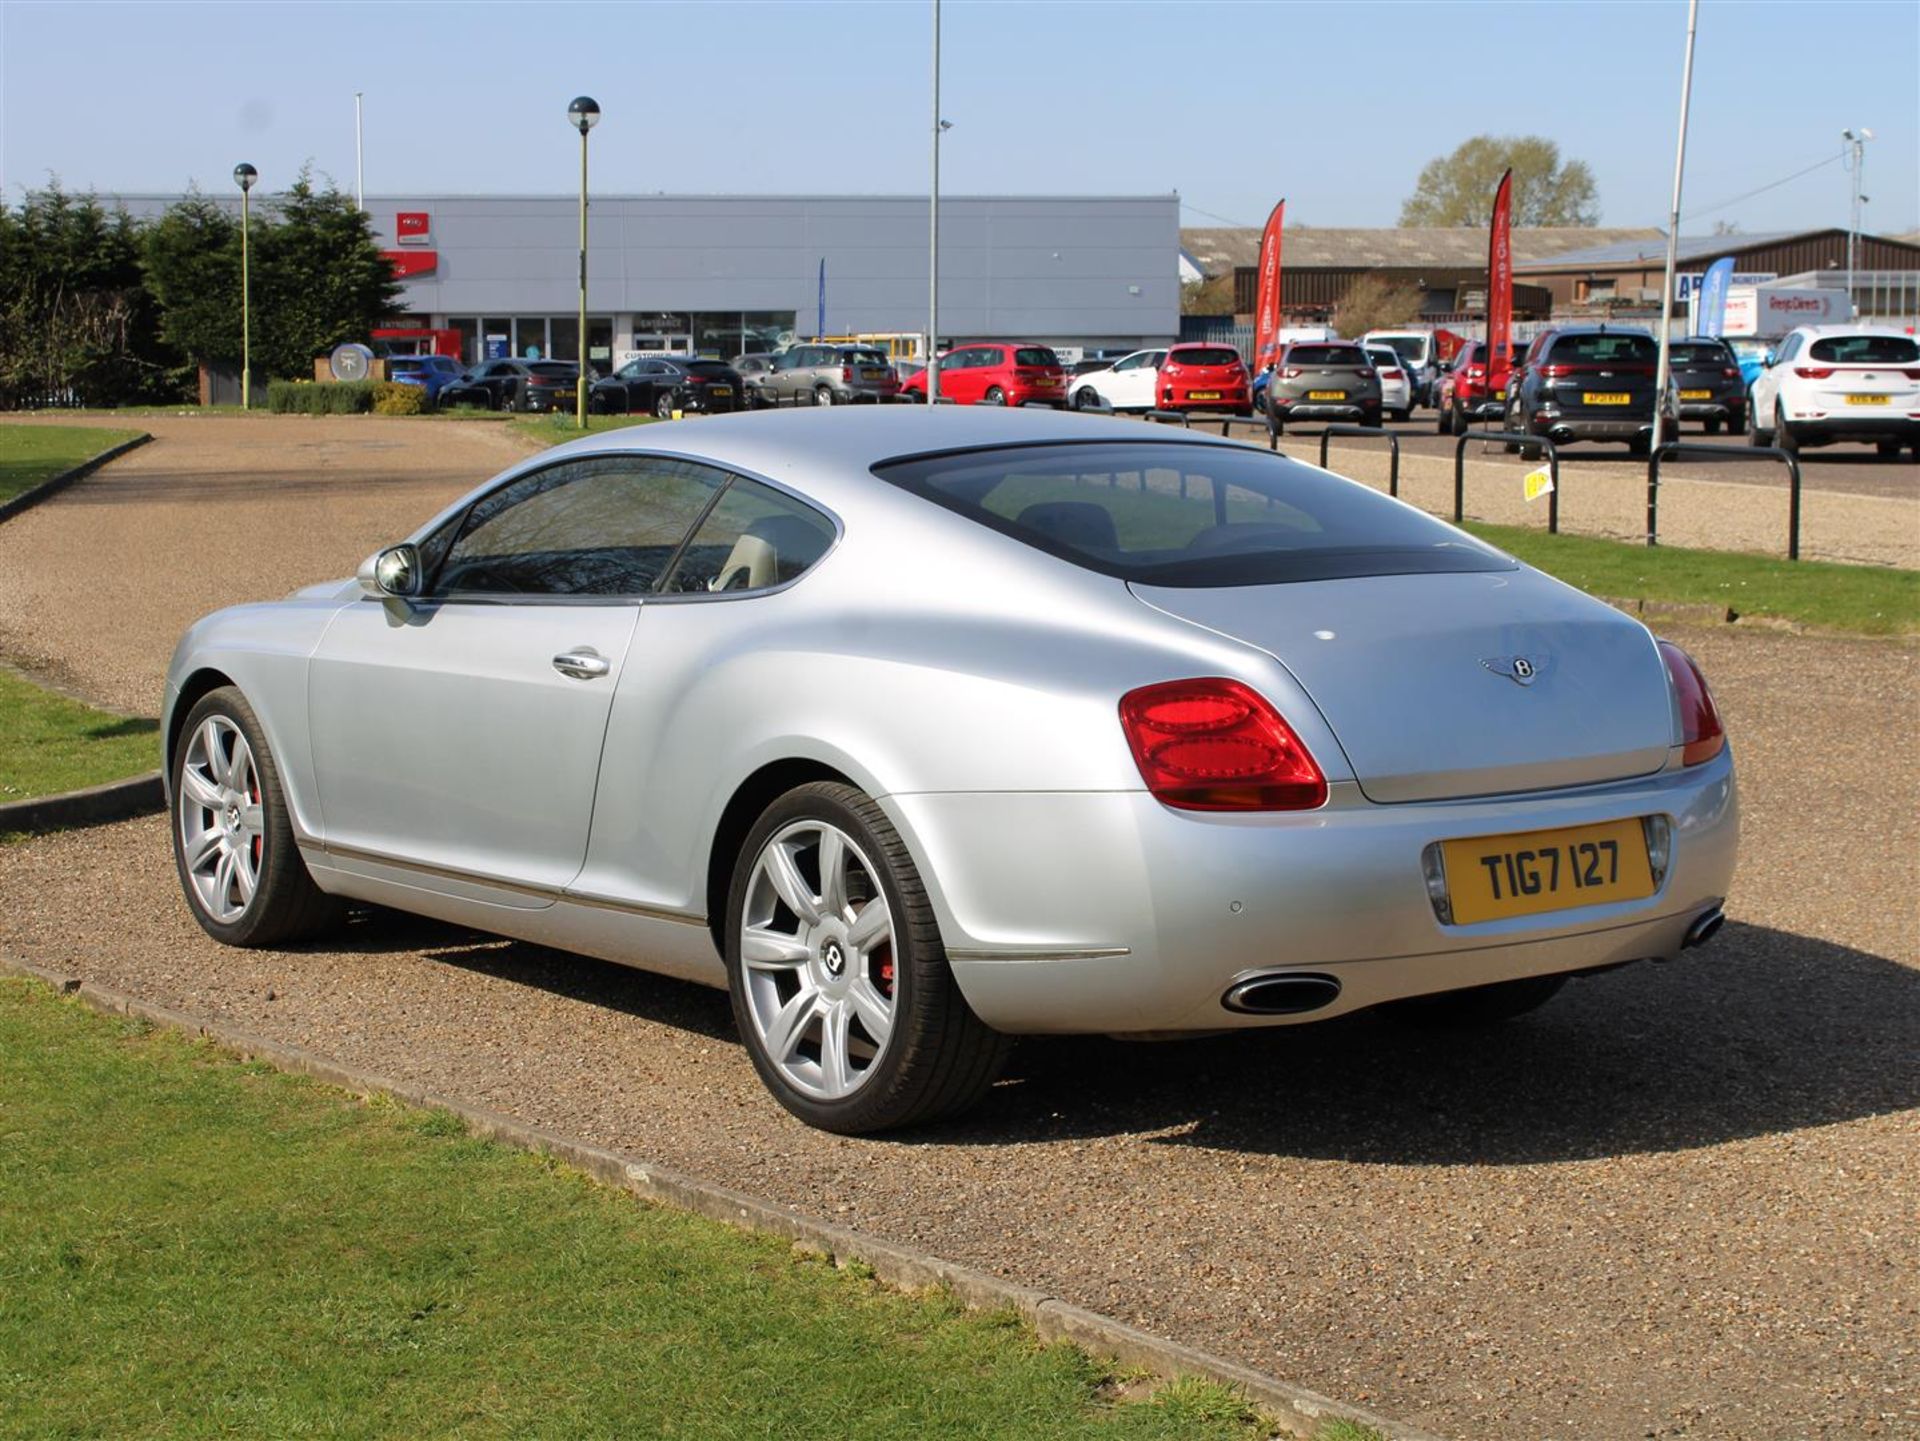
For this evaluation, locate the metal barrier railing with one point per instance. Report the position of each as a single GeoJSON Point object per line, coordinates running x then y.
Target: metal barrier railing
{"type": "Point", "coordinates": [1701, 451]}
{"type": "Point", "coordinates": [1367, 432]}
{"type": "Point", "coordinates": [1509, 437]}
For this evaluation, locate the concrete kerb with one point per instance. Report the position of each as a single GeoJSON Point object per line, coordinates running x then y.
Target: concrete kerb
{"type": "Point", "coordinates": [95, 805]}
{"type": "Point", "coordinates": [49, 488]}
{"type": "Point", "coordinates": [1295, 1410]}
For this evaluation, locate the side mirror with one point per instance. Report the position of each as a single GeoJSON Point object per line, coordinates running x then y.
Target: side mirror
{"type": "Point", "coordinates": [1767, 360]}
{"type": "Point", "coordinates": [392, 572]}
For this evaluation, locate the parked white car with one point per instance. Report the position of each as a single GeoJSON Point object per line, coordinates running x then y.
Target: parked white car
{"type": "Point", "coordinates": [1128, 384]}
{"type": "Point", "coordinates": [1418, 350]}
{"type": "Point", "coordinates": [1825, 383]}
{"type": "Point", "coordinates": [1396, 382]}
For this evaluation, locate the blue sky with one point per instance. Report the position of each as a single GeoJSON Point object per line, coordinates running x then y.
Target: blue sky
{"type": "Point", "coordinates": [1335, 104]}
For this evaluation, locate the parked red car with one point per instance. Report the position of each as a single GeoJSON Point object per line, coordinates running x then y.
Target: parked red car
{"type": "Point", "coordinates": [995, 375]}
{"type": "Point", "coordinates": [1464, 394]}
{"type": "Point", "coordinates": [1199, 376]}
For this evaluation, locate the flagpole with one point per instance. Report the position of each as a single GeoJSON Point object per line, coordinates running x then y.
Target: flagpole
{"type": "Point", "coordinates": [1663, 371]}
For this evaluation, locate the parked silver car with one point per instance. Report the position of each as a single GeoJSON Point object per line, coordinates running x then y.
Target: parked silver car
{"type": "Point", "coordinates": [829, 375]}
{"type": "Point", "coordinates": [920, 729]}
{"type": "Point", "coordinates": [1330, 380]}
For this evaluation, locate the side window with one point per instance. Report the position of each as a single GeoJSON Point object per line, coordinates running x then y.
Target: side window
{"type": "Point", "coordinates": [1132, 362]}
{"type": "Point", "coordinates": [754, 538]}
{"type": "Point", "coordinates": [1788, 350]}
{"type": "Point", "coordinates": [608, 526]}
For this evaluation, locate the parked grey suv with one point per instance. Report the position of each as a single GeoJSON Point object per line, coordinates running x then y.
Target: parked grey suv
{"type": "Point", "coordinates": [829, 375]}
{"type": "Point", "coordinates": [1324, 380]}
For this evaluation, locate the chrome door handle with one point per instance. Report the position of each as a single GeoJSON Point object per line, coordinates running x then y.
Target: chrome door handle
{"type": "Point", "coordinates": [585, 663]}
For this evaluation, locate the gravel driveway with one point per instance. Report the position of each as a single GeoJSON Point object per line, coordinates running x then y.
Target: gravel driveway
{"type": "Point", "coordinates": [1680, 1200]}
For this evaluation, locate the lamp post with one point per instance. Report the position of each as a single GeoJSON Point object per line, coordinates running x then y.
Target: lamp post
{"type": "Point", "coordinates": [933, 228]}
{"type": "Point", "coordinates": [583, 115]}
{"type": "Point", "coordinates": [1856, 157]}
{"type": "Point", "coordinates": [244, 175]}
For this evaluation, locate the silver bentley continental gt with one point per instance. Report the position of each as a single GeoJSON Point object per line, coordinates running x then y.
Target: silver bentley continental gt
{"type": "Point", "coordinates": [919, 730]}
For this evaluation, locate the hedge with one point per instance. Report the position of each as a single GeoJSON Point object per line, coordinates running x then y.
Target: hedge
{"type": "Point", "coordinates": [322, 397]}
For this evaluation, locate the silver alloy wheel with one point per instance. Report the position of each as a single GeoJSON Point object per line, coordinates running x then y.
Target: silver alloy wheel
{"type": "Point", "coordinates": [222, 825]}
{"type": "Point", "coordinates": [817, 958]}
{"type": "Point", "coordinates": [823, 395]}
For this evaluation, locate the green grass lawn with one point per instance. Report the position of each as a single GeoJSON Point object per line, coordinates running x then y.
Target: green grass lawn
{"type": "Point", "coordinates": [30, 454]}
{"type": "Point", "coordinates": [195, 1246]}
{"type": "Point", "coordinates": [558, 427]}
{"type": "Point", "coordinates": [1873, 600]}
{"type": "Point", "coordinates": [50, 744]}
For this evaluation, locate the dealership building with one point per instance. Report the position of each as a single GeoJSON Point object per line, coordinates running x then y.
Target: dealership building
{"type": "Point", "coordinates": [724, 274]}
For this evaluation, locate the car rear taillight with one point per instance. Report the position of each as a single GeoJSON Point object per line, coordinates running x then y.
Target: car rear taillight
{"type": "Point", "coordinates": [1215, 744]}
{"type": "Point", "coordinates": [1733, 373]}
{"type": "Point", "coordinates": [1390, 375]}
{"type": "Point", "coordinates": [1911, 374]}
{"type": "Point", "coordinates": [846, 373]}
{"type": "Point", "coordinates": [1813, 372]}
{"type": "Point", "coordinates": [1556, 372]}
{"type": "Point", "coordinates": [1292, 372]}
{"type": "Point", "coordinates": [1475, 372]}
{"type": "Point", "coordinates": [1701, 735]}
{"type": "Point", "coordinates": [1170, 369]}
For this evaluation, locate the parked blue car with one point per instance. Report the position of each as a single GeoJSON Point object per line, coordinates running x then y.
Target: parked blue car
{"type": "Point", "coordinates": [1752, 355]}
{"type": "Point", "coordinates": [433, 373]}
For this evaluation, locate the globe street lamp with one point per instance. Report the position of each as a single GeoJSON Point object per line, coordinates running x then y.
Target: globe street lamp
{"type": "Point", "coordinates": [244, 175]}
{"type": "Point", "coordinates": [583, 115]}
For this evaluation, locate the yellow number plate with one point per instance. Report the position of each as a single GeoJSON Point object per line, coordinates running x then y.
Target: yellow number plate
{"type": "Point", "coordinates": [1696, 395]}
{"type": "Point", "coordinates": [1868, 399]}
{"type": "Point", "coordinates": [720, 389]}
{"type": "Point", "coordinates": [1606, 397]}
{"type": "Point", "coordinates": [1499, 395]}
{"type": "Point", "coordinates": [1491, 878]}
{"type": "Point", "coordinates": [1326, 395]}
{"type": "Point", "coordinates": [1203, 395]}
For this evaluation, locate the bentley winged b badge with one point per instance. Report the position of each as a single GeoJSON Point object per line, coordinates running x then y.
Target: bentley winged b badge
{"type": "Point", "coordinates": [1520, 669]}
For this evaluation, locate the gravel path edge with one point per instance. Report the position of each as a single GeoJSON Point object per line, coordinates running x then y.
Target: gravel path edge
{"type": "Point", "coordinates": [1296, 1410]}
{"type": "Point", "coordinates": [140, 795]}
{"type": "Point", "coordinates": [52, 486]}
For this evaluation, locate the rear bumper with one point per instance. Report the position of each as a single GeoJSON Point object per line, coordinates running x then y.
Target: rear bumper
{"type": "Point", "coordinates": [1327, 410]}
{"type": "Point", "coordinates": [1895, 426]}
{"type": "Point", "coordinates": [1108, 912]}
{"type": "Point", "coordinates": [543, 400]}
{"type": "Point", "coordinates": [1224, 397]}
{"type": "Point", "coordinates": [1726, 408]}
{"type": "Point", "coordinates": [1586, 427]}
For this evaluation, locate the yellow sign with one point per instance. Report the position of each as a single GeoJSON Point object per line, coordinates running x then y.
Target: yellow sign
{"type": "Point", "coordinates": [1538, 483]}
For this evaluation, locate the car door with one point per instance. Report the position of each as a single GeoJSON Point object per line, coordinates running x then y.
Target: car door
{"type": "Point", "coordinates": [458, 735]}
{"type": "Point", "coordinates": [1134, 378]}
{"type": "Point", "coordinates": [971, 378]}
{"type": "Point", "coordinates": [1766, 386]}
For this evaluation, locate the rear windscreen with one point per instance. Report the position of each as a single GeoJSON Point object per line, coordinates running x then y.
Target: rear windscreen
{"type": "Point", "coordinates": [1604, 349]}
{"type": "Point", "coordinates": [1699, 355]}
{"type": "Point", "coordinates": [706, 367]}
{"type": "Point", "coordinates": [1213, 355]}
{"type": "Point", "coordinates": [1186, 514]}
{"type": "Point", "coordinates": [1407, 347]}
{"type": "Point", "coordinates": [863, 357]}
{"type": "Point", "coordinates": [554, 370]}
{"type": "Point", "coordinates": [1865, 350]}
{"type": "Point", "coordinates": [1035, 355]}
{"type": "Point", "coordinates": [1384, 359]}
{"type": "Point", "coordinates": [1325, 355]}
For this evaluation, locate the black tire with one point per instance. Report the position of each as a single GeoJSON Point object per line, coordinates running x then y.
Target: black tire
{"type": "Point", "coordinates": [1087, 398]}
{"type": "Point", "coordinates": [1888, 449]}
{"type": "Point", "coordinates": [286, 905]}
{"type": "Point", "coordinates": [1783, 435]}
{"type": "Point", "coordinates": [1456, 419]}
{"type": "Point", "coordinates": [1640, 445]}
{"type": "Point", "coordinates": [663, 405]}
{"type": "Point", "coordinates": [939, 1058]}
{"type": "Point", "coordinates": [1713, 427]}
{"type": "Point", "coordinates": [1478, 1006]}
{"type": "Point", "coordinates": [1442, 423]}
{"type": "Point", "coordinates": [509, 399]}
{"type": "Point", "coordinates": [994, 396]}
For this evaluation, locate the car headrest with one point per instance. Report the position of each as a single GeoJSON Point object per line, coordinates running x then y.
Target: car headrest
{"type": "Point", "coordinates": [1078, 523]}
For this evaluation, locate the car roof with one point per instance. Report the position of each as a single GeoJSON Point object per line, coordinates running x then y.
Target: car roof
{"type": "Point", "coordinates": [1819, 331]}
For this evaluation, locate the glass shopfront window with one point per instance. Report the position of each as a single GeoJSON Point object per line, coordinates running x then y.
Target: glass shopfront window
{"type": "Point", "coordinates": [496, 338]}
{"type": "Point", "coordinates": [727, 333]}
{"type": "Point", "coordinates": [469, 331]}
{"type": "Point", "coordinates": [530, 338]}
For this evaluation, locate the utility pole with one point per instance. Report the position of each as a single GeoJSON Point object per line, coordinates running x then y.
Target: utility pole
{"type": "Point", "coordinates": [1856, 158]}
{"type": "Point", "coordinates": [933, 228]}
{"type": "Point", "coordinates": [359, 158]}
{"type": "Point", "coordinates": [1663, 372]}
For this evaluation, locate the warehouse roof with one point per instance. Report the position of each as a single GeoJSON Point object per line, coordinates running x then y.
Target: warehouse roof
{"type": "Point", "coordinates": [1223, 249]}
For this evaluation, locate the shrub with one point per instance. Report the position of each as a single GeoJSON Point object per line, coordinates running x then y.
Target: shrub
{"type": "Point", "coordinates": [393, 398]}
{"type": "Point", "coordinates": [326, 397]}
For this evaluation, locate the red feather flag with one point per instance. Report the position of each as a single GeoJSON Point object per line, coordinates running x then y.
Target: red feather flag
{"type": "Point", "coordinates": [1266, 317]}
{"type": "Point", "coordinates": [1500, 288]}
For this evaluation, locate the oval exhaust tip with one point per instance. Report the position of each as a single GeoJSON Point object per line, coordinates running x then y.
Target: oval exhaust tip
{"type": "Point", "coordinates": [1286, 994]}
{"type": "Point", "coordinates": [1704, 929]}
